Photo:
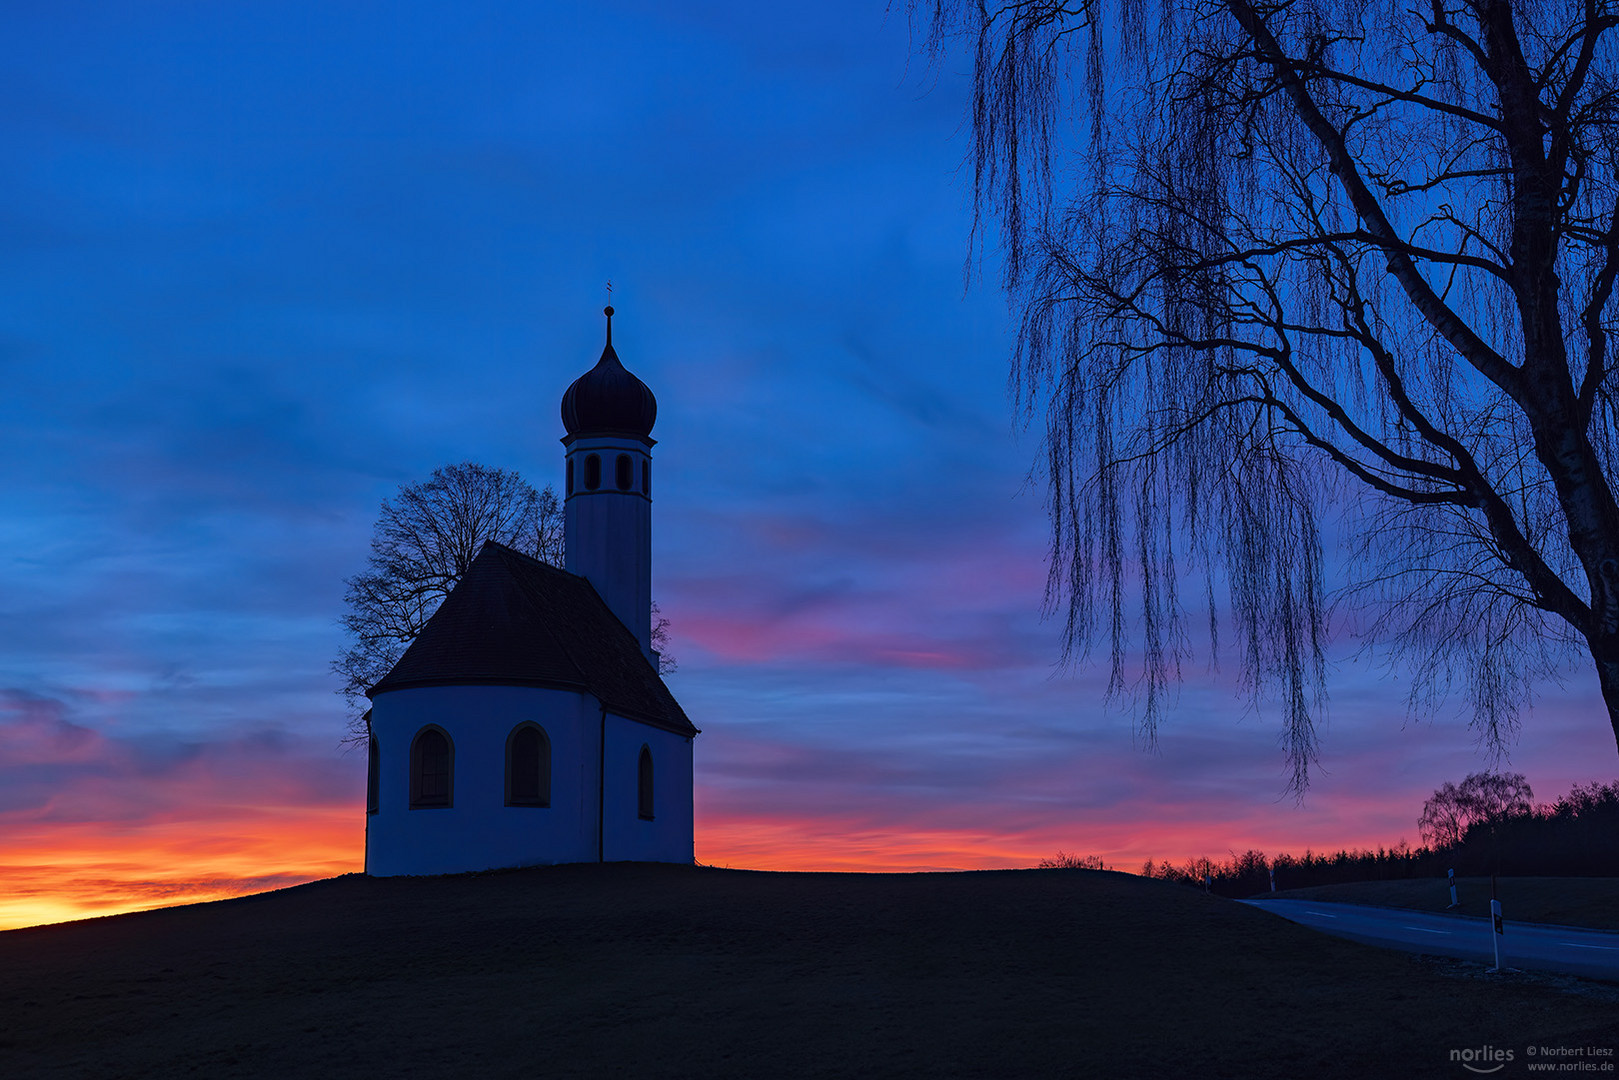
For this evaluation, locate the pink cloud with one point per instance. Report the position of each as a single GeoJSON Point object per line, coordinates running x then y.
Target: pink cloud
{"type": "Point", "coordinates": [822, 639]}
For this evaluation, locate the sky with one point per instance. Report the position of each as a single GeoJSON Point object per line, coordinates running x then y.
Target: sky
{"type": "Point", "coordinates": [262, 263]}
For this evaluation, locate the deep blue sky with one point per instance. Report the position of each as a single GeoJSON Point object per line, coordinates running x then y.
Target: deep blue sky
{"type": "Point", "coordinates": [262, 263]}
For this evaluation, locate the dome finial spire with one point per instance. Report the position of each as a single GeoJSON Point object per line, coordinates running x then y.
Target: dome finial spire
{"type": "Point", "coordinates": [607, 398]}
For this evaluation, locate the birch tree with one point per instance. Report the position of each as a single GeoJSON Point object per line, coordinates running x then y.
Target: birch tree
{"type": "Point", "coordinates": [1295, 274]}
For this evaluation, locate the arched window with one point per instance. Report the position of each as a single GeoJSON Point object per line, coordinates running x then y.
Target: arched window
{"type": "Point", "coordinates": [643, 787]}
{"type": "Point", "coordinates": [372, 763]}
{"type": "Point", "coordinates": [528, 766]}
{"type": "Point", "coordinates": [570, 477]}
{"type": "Point", "coordinates": [432, 769]}
{"type": "Point", "coordinates": [623, 472]}
{"type": "Point", "coordinates": [593, 472]}
{"type": "Point", "coordinates": [646, 478]}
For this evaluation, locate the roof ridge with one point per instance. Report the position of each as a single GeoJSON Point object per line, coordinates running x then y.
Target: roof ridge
{"type": "Point", "coordinates": [526, 557]}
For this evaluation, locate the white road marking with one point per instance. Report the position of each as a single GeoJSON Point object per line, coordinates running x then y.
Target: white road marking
{"type": "Point", "coordinates": [1536, 935]}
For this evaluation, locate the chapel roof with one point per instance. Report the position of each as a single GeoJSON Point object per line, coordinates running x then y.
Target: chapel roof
{"type": "Point", "coordinates": [513, 620]}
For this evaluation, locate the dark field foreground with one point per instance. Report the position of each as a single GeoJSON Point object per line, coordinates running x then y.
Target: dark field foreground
{"type": "Point", "coordinates": [638, 970]}
{"type": "Point", "coordinates": [1589, 902]}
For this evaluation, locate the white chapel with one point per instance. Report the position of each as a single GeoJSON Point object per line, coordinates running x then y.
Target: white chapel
{"type": "Point", "coordinates": [527, 723]}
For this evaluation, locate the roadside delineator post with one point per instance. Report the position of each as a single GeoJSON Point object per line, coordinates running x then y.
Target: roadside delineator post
{"type": "Point", "coordinates": [1500, 930]}
{"type": "Point", "coordinates": [1496, 925]}
{"type": "Point", "coordinates": [1453, 901]}
{"type": "Point", "coordinates": [1273, 879]}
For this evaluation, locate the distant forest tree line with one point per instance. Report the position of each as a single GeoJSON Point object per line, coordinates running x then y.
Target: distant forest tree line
{"type": "Point", "coordinates": [1486, 825]}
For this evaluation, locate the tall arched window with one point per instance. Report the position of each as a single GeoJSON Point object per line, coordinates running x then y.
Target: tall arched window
{"type": "Point", "coordinates": [372, 763]}
{"type": "Point", "coordinates": [643, 787]}
{"type": "Point", "coordinates": [593, 472]}
{"type": "Point", "coordinates": [432, 769]}
{"type": "Point", "coordinates": [570, 477]}
{"type": "Point", "coordinates": [623, 472]}
{"type": "Point", "coordinates": [528, 766]}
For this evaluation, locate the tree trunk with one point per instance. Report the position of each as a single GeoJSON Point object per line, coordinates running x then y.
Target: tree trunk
{"type": "Point", "coordinates": [1606, 656]}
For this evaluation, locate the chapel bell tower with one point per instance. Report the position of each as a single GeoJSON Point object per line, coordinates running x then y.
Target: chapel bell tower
{"type": "Point", "coordinates": [608, 414]}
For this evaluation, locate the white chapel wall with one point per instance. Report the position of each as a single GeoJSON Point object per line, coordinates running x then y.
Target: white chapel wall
{"type": "Point", "coordinates": [668, 836]}
{"type": "Point", "coordinates": [478, 831]}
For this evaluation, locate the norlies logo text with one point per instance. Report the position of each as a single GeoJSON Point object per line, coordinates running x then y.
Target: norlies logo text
{"type": "Point", "coordinates": [1482, 1055]}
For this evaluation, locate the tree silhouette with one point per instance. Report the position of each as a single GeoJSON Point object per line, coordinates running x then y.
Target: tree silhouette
{"type": "Point", "coordinates": [1280, 259]}
{"type": "Point", "coordinates": [424, 540]}
{"type": "Point", "coordinates": [1445, 817]}
{"type": "Point", "coordinates": [1482, 798]}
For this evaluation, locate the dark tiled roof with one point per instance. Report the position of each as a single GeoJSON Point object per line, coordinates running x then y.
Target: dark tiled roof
{"type": "Point", "coordinates": [513, 620]}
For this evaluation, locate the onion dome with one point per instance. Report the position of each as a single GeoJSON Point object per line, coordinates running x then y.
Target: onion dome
{"type": "Point", "coordinates": [608, 399]}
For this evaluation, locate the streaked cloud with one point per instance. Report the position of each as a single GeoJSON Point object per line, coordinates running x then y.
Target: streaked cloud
{"type": "Point", "coordinates": [261, 264]}
{"type": "Point", "coordinates": [94, 823]}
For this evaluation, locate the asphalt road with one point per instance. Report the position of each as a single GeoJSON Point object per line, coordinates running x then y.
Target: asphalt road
{"type": "Point", "coordinates": [1592, 953]}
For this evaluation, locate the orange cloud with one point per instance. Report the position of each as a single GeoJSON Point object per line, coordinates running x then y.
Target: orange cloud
{"type": "Point", "coordinates": [95, 824]}
{"type": "Point", "coordinates": [58, 871]}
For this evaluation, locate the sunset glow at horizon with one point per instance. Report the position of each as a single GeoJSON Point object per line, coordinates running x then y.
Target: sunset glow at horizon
{"type": "Point", "coordinates": [62, 870]}
{"type": "Point", "coordinates": [60, 874]}
{"type": "Point", "coordinates": [265, 263]}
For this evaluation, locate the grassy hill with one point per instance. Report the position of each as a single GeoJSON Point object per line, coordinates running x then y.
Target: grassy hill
{"type": "Point", "coordinates": [640, 970]}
